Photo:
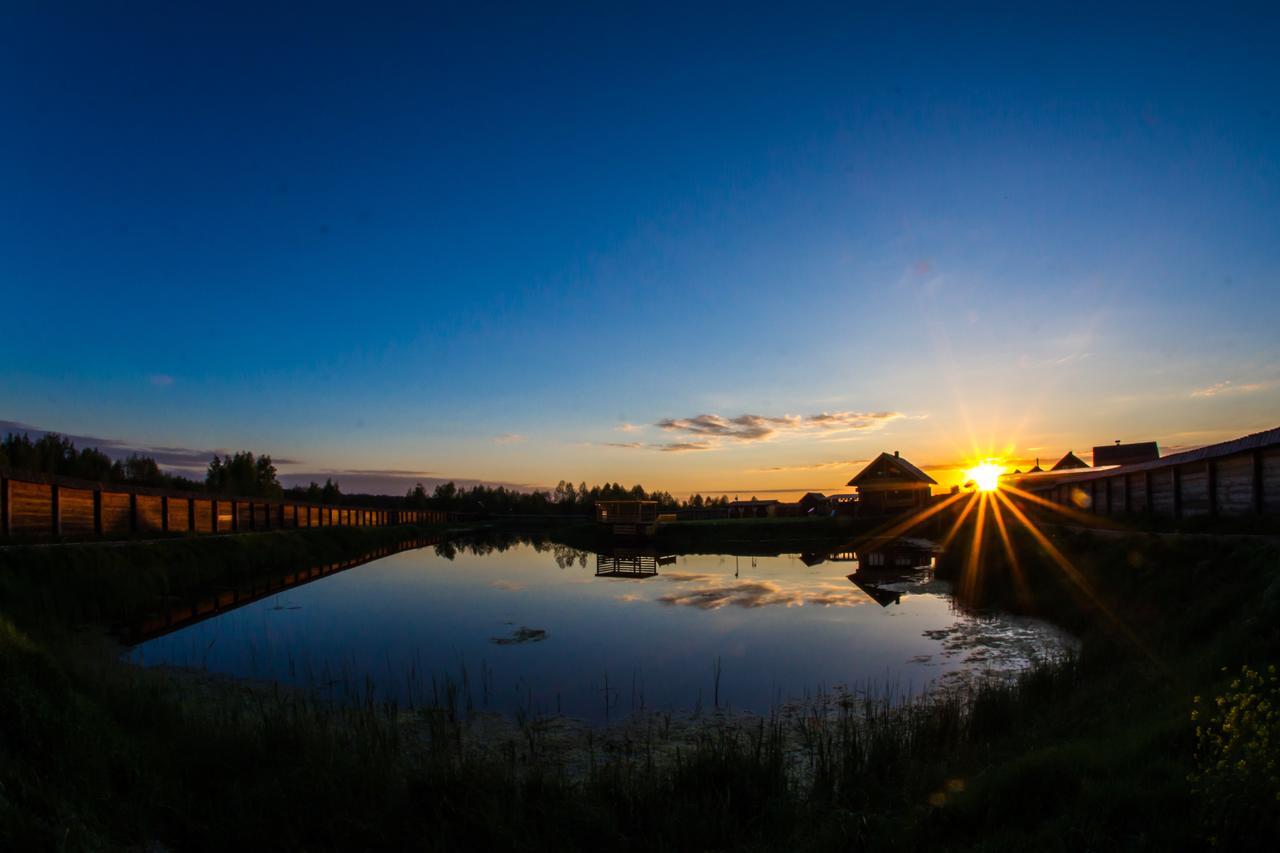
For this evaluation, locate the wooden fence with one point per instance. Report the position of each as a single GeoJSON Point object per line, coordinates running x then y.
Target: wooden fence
{"type": "Point", "coordinates": [36, 506]}
{"type": "Point", "coordinates": [1233, 478]}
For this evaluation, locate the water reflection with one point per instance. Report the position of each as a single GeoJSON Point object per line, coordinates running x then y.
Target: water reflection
{"type": "Point", "coordinates": [635, 563]}
{"type": "Point", "coordinates": [549, 627]}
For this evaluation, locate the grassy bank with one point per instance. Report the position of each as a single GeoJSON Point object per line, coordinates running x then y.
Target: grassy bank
{"type": "Point", "coordinates": [1092, 752]}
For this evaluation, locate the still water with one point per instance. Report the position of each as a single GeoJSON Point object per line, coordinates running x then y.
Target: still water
{"type": "Point", "coordinates": [545, 628]}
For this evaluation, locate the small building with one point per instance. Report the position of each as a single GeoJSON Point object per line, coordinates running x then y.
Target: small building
{"type": "Point", "coordinates": [628, 518]}
{"type": "Point", "coordinates": [815, 503]}
{"type": "Point", "coordinates": [891, 484]}
{"type": "Point", "coordinates": [1069, 462]}
{"type": "Point", "coordinates": [754, 508]}
{"type": "Point", "coordinates": [1134, 453]}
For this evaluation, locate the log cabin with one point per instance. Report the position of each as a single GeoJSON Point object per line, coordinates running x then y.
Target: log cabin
{"type": "Point", "coordinates": [891, 484]}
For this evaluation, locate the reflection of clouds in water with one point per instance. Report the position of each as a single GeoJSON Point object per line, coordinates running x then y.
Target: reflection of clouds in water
{"type": "Point", "coordinates": [752, 594]}
{"type": "Point", "coordinates": [509, 586]}
{"type": "Point", "coordinates": [630, 596]}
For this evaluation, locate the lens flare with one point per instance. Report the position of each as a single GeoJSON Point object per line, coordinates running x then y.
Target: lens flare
{"type": "Point", "coordinates": [985, 476]}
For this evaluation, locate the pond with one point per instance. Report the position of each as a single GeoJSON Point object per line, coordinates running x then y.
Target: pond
{"type": "Point", "coordinates": [535, 627]}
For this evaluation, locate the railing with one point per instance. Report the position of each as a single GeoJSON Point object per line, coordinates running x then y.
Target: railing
{"type": "Point", "coordinates": [41, 506]}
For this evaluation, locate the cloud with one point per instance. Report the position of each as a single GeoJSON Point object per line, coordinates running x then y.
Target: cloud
{"type": "Point", "coordinates": [1025, 361]}
{"type": "Point", "coordinates": [508, 438]}
{"type": "Point", "coordinates": [161, 380]}
{"type": "Point", "coordinates": [393, 482]}
{"type": "Point", "coordinates": [190, 461]}
{"type": "Point", "coordinates": [815, 466]}
{"type": "Point", "coordinates": [762, 593]}
{"type": "Point", "coordinates": [1228, 387]}
{"type": "Point", "coordinates": [626, 427]}
{"type": "Point", "coordinates": [711, 431]}
{"type": "Point", "coordinates": [184, 459]}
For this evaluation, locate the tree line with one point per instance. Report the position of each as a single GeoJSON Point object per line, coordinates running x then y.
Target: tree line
{"type": "Point", "coordinates": [248, 475]}
{"type": "Point", "coordinates": [241, 473]}
{"type": "Point", "coordinates": [564, 499]}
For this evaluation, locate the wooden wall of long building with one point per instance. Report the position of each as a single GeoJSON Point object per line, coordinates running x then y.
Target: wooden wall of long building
{"type": "Point", "coordinates": [32, 506]}
{"type": "Point", "coordinates": [1232, 484]}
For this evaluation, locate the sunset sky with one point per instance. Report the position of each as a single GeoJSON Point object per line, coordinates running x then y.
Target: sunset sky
{"type": "Point", "coordinates": [729, 250]}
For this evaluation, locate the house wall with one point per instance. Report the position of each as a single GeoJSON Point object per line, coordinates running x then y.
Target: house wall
{"type": "Point", "coordinates": [1233, 484]}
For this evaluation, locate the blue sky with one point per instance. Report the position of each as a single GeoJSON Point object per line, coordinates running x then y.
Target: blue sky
{"type": "Point", "coordinates": [491, 244]}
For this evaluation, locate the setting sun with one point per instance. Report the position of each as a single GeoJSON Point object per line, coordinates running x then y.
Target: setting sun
{"type": "Point", "coordinates": [985, 475]}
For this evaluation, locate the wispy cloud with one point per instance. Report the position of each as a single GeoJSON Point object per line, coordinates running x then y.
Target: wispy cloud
{"type": "Point", "coordinates": [712, 431]}
{"type": "Point", "coordinates": [183, 459]}
{"type": "Point", "coordinates": [508, 438]}
{"type": "Point", "coordinates": [160, 380]}
{"type": "Point", "coordinates": [1057, 361]}
{"type": "Point", "coordinates": [815, 466]}
{"type": "Point", "coordinates": [626, 427]}
{"type": "Point", "coordinates": [1228, 387]}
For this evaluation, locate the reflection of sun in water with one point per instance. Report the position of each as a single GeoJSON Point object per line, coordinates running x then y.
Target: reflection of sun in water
{"type": "Point", "coordinates": [986, 475]}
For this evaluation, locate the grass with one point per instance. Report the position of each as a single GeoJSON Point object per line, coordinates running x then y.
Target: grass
{"type": "Point", "coordinates": [1087, 752]}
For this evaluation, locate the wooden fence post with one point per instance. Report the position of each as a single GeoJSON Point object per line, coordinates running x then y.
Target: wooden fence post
{"type": "Point", "coordinates": [133, 512]}
{"type": "Point", "coordinates": [97, 512]}
{"type": "Point", "coordinates": [164, 513]}
{"type": "Point", "coordinates": [55, 510]}
{"type": "Point", "coordinates": [213, 515]}
{"type": "Point", "coordinates": [191, 515]}
{"type": "Point", "coordinates": [235, 516]}
{"type": "Point", "coordinates": [4, 506]}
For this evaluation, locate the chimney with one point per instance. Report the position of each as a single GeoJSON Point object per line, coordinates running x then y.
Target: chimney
{"type": "Point", "coordinates": [895, 454]}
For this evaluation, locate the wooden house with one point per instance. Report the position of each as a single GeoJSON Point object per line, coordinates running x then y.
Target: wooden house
{"type": "Point", "coordinates": [628, 518]}
{"type": "Point", "coordinates": [1134, 453]}
{"type": "Point", "coordinates": [891, 484]}
{"type": "Point", "coordinates": [814, 503]}
{"type": "Point", "coordinates": [754, 508]}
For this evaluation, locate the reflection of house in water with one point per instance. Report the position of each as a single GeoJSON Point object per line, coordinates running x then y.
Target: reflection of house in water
{"type": "Point", "coordinates": [631, 563]}
{"type": "Point", "coordinates": [881, 564]}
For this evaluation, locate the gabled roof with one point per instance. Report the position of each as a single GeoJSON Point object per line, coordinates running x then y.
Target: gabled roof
{"type": "Point", "coordinates": [816, 496]}
{"type": "Point", "coordinates": [1068, 462]}
{"type": "Point", "coordinates": [891, 463]}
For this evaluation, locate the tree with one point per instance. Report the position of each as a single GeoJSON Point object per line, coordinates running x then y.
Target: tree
{"type": "Point", "coordinates": [330, 494]}
{"type": "Point", "coordinates": [243, 474]}
{"type": "Point", "coordinates": [445, 495]}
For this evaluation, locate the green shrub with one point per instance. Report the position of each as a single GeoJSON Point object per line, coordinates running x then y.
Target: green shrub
{"type": "Point", "coordinates": [1238, 759]}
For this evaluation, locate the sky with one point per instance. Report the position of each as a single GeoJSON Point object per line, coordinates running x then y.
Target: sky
{"type": "Point", "coordinates": [701, 247]}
